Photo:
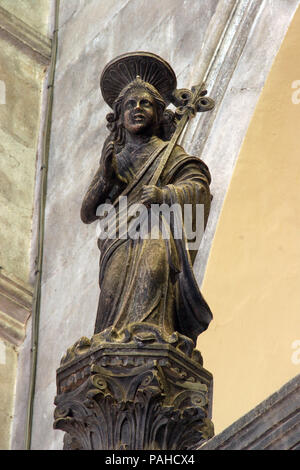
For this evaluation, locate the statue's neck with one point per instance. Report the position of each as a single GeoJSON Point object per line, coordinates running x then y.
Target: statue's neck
{"type": "Point", "coordinates": [135, 140]}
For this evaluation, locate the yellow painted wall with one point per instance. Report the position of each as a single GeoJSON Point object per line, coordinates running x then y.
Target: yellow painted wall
{"type": "Point", "coordinates": [252, 282]}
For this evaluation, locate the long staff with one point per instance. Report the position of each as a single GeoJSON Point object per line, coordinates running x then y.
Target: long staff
{"type": "Point", "coordinates": [190, 102]}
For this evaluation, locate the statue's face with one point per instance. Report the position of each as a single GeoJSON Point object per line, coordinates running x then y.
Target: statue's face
{"type": "Point", "coordinates": [139, 112]}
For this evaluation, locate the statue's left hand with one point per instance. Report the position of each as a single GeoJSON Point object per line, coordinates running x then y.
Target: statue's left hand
{"type": "Point", "coordinates": [151, 195]}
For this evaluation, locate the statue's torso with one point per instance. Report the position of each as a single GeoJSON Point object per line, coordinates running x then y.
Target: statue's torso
{"type": "Point", "coordinates": [132, 158]}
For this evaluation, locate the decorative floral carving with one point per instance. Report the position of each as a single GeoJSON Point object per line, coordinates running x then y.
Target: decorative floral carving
{"type": "Point", "coordinates": [128, 404]}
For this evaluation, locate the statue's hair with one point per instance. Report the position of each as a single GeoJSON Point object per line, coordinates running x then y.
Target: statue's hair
{"type": "Point", "coordinates": [138, 84]}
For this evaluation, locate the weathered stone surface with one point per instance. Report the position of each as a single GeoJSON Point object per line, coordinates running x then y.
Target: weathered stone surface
{"type": "Point", "coordinates": [132, 396]}
{"type": "Point", "coordinates": [23, 31]}
{"type": "Point", "coordinates": [8, 368]}
{"type": "Point", "coordinates": [19, 127]}
{"type": "Point", "coordinates": [273, 425]}
{"type": "Point", "coordinates": [27, 39]}
{"type": "Point", "coordinates": [15, 309]}
{"type": "Point", "coordinates": [33, 13]}
{"type": "Point", "coordinates": [21, 391]}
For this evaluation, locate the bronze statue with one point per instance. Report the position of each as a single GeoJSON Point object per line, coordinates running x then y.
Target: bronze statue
{"type": "Point", "coordinates": [139, 382]}
{"type": "Point", "coordinates": [147, 282]}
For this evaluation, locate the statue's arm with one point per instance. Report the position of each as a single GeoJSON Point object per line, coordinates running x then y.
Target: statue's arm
{"type": "Point", "coordinates": [189, 185]}
{"type": "Point", "coordinates": [186, 181]}
{"type": "Point", "coordinates": [95, 195]}
{"type": "Point", "coordinates": [104, 185]}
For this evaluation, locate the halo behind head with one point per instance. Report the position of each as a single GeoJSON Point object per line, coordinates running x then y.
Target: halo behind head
{"type": "Point", "coordinates": [124, 69]}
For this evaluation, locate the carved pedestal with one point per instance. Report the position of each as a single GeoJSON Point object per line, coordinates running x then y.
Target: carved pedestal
{"type": "Point", "coordinates": [133, 396]}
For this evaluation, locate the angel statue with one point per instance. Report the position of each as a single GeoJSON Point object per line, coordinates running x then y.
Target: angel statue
{"type": "Point", "coordinates": [147, 286]}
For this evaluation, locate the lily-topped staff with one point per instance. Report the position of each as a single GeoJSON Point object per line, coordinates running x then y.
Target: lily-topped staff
{"type": "Point", "coordinates": [190, 102]}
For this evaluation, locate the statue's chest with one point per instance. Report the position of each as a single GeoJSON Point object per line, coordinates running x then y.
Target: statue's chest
{"type": "Point", "coordinates": [129, 163]}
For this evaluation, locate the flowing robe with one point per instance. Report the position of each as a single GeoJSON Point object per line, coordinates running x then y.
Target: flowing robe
{"type": "Point", "coordinates": [148, 280]}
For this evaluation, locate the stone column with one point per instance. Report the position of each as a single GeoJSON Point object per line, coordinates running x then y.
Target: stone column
{"type": "Point", "coordinates": [135, 395]}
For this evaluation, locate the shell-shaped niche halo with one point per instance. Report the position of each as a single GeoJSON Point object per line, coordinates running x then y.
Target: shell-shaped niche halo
{"type": "Point", "coordinates": [125, 68]}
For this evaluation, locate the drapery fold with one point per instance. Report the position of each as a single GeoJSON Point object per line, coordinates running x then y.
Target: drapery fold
{"type": "Point", "coordinates": [152, 280]}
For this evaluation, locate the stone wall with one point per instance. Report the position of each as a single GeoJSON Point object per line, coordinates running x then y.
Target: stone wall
{"type": "Point", "coordinates": [24, 54]}
{"type": "Point", "coordinates": [252, 276]}
{"type": "Point", "coordinates": [231, 44]}
{"type": "Point", "coordinates": [274, 424]}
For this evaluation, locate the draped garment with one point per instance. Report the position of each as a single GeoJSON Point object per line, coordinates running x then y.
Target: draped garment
{"type": "Point", "coordinates": [151, 280]}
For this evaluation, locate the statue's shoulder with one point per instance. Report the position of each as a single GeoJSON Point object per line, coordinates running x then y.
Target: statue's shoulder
{"type": "Point", "coordinates": [179, 155]}
{"type": "Point", "coordinates": [179, 159]}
